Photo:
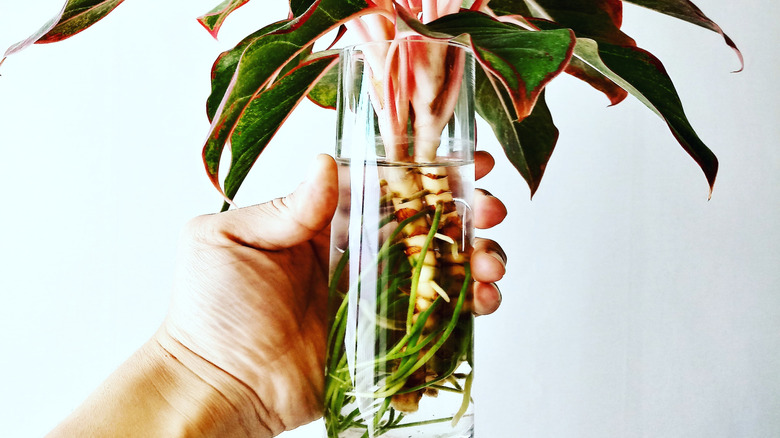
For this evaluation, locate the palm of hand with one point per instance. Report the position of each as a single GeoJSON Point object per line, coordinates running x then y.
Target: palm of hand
{"type": "Point", "coordinates": [258, 315]}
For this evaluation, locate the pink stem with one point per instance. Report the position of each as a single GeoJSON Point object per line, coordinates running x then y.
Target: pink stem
{"type": "Point", "coordinates": [430, 11]}
{"type": "Point", "coordinates": [480, 5]}
{"type": "Point", "coordinates": [434, 107]}
{"type": "Point", "coordinates": [449, 7]}
{"type": "Point", "coordinates": [403, 92]}
{"type": "Point", "coordinates": [396, 108]}
{"type": "Point", "coordinates": [361, 29]}
{"type": "Point", "coordinates": [413, 6]}
{"type": "Point", "coordinates": [390, 107]}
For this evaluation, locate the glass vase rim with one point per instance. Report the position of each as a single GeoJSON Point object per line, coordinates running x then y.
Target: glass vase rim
{"type": "Point", "coordinates": [427, 40]}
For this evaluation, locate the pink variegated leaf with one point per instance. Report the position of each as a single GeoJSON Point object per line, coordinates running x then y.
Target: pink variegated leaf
{"type": "Point", "coordinates": [74, 17]}
{"type": "Point", "coordinates": [299, 7]}
{"type": "Point", "coordinates": [645, 77]}
{"type": "Point", "coordinates": [687, 11]}
{"type": "Point", "coordinates": [523, 62]}
{"type": "Point", "coordinates": [599, 20]}
{"type": "Point", "coordinates": [244, 73]}
{"type": "Point", "coordinates": [583, 71]}
{"type": "Point", "coordinates": [266, 113]}
{"type": "Point", "coordinates": [213, 19]}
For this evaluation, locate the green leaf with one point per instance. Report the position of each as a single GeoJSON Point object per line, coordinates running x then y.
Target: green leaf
{"type": "Point", "coordinates": [265, 114]}
{"type": "Point", "coordinates": [528, 144]}
{"type": "Point", "coordinates": [226, 63]}
{"type": "Point", "coordinates": [595, 19]}
{"type": "Point", "coordinates": [523, 62]}
{"type": "Point", "coordinates": [687, 11]}
{"type": "Point", "coordinates": [299, 7]}
{"type": "Point", "coordinates": [581, 70]}
{"type": "Point", "coordinates": [643, 76]}
{"type": "Point", "coordinates": [74, 17]}
{"type": "Point", "coordinates": [510, 7]}
{"type": "Point", "coordinates": [213, 19]}
{"type": "Point", "coordinates": [297, 60]}
{"type": "Point", "coordinates": [325, 91]}
{"type": "Point", "coordinates": [260, 61]}
{"type": "Point", "coordinates": [608, 30]}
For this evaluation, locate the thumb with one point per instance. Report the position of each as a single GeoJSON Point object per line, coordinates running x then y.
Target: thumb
{"type": "Point", "coordinates": [289, 221]}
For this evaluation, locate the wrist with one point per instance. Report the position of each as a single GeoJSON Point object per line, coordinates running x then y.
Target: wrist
{"type": "Point", "coordinates": [213, 402]}
{"type": "Point", "coordinates": [166, 390]}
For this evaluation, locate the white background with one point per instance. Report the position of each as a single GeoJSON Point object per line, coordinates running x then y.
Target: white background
{"type": "Point", "coordinates": [633, 307]}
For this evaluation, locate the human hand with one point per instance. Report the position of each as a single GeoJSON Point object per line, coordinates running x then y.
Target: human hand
{"type": "Point", "coordinates": [249, 308]}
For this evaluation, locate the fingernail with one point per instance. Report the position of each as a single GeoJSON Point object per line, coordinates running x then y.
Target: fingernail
{"type": "Point", "coordinates": [498, 256]}
{"type": "Point", "coordinates": [486, 193]}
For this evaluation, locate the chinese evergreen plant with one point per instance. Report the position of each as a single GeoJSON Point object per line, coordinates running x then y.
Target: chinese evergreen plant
{"type": "Point", "coordinates": [521, 45]}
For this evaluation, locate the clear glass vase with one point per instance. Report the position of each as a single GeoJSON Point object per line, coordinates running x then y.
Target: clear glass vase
{"type": "Point", "coordinates": [400, 345]}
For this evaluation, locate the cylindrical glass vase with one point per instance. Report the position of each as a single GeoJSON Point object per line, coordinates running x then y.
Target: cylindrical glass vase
{"type": "Point", "coordinates": [400, 345]}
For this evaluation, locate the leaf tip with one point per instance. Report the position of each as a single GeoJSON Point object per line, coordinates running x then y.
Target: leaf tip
{"type": "Point", "coordinates": [213, 31]}
{"type": "Point", "coordinates": [741, 62]}
{"type": "Point", "coordinates": [711, 175]}
{"type": "Point", "coordinates": [711, 189]}
{"type": "Point", "coordinates": [733, 45]}
{"type": "Point", "coordinates": [533, 186]}
{"type": "Point", "coordinates": [617, 98]}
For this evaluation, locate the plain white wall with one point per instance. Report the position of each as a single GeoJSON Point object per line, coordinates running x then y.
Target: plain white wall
{"type": "Point", "coordinates": [633, 307]}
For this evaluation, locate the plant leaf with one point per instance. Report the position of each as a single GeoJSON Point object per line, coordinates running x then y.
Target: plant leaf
{"type": "Point", "coordinates": [599, 20]}
{"type": "Point", "coordinates": [213, 19]}
{"type": "Point", "coordinates": [509, 7]}
{"type": "Point", "coordinates": [74, 17]}
{"type": "Point", "coordinates": [687, 11]}
{"type": "Point", "coordinates": [643, 76]}
{"type": "Point", "coordinates": [297, 60]}
{"type": "Point", "coordinates": [226, 63]}
{"type": "Point", "coordinates": [523, 62]}
{"type": "Point", "coordinates": [581, 70]}
{"type": "Point", "coordinates": [325, 91]}
{"type": "Point", "coordinates": [528, 144]}
{"type": "Point", "coordinates": [595, 19]}
{"type": "Point", "coordinates": [260, 61]}
{"type": "Point", "coordinates": [299, 7]}
{"type": "Point", "coordinates": [265, 114]}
